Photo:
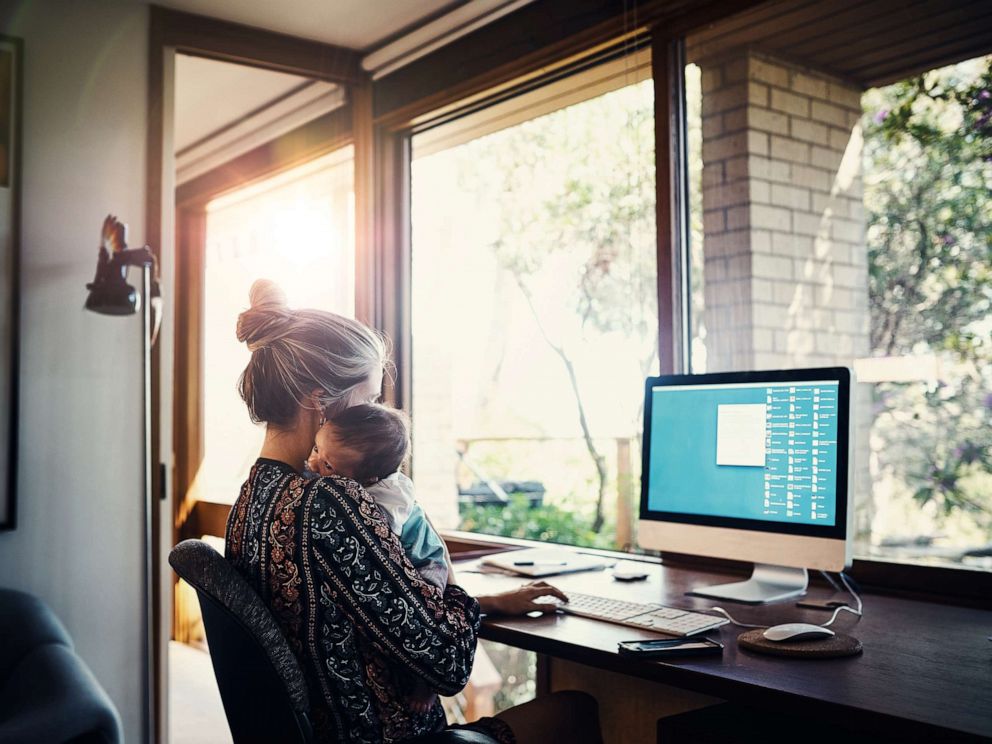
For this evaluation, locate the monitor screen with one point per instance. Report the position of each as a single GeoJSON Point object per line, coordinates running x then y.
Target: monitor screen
{"type": "Point", "coordinates": [757, 454]}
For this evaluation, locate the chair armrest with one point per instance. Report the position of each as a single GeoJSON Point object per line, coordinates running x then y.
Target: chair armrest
{"type": "Point", "coordinates": [456, 736]}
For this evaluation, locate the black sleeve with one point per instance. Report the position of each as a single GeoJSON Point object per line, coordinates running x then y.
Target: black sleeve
{"type": "Point", "coordinates": [363, 564]}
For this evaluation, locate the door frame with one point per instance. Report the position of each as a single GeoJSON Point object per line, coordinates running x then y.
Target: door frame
{"type": "Point", "coordinates": [172, 32]}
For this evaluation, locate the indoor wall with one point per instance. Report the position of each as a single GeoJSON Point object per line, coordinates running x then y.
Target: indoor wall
{"type": "Point", "coordinates": [78, 540]}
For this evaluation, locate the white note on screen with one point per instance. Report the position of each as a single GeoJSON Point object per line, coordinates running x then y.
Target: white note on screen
{"type": "Point", "coordinates": [740, 434]}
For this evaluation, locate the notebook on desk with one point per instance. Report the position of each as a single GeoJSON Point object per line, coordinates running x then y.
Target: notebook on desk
{"type": "Point", "coordinates": [537, 562]}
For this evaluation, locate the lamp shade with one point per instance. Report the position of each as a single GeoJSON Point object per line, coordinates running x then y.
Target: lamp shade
{"type": "Point", "coordinates": [110, 294]}
{"type": "Point", "coordinates": [113, 298]}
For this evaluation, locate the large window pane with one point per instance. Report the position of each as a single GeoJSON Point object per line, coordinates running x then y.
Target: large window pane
{"type": "Point", "coordinates": [836, 223]}
{"type": "Point", "coordinates": [298, 230]}
{"type": "Point", "coordinates": [534, 309]}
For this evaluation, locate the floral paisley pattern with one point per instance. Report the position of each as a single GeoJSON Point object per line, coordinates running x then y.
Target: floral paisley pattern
{"type": "Point", "coordinates": [359, 617]}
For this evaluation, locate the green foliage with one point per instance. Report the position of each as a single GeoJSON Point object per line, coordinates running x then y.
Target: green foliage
{"type": "Point", "coordinates": [928, 147]}
{"type": "Point", "coordinates": [571, 197]}
{"type": "Point", "coordinates": [937, 439]}
{"type": "Point", "coordinates": [576, 193]}
{"type": "Point", "coordinates": [546, 523]}
{"type": "Point", "coordinates": [518, 668]}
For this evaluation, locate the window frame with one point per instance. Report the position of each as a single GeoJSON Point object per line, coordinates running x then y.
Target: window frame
{"type": "Point", "coordinates": [603, 70]}
{"type": "Point", "coordinates": [389, 190]}
{"type": "Point", "coordinates": [952, 584]}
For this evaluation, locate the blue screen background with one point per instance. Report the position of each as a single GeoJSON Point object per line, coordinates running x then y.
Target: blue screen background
{"type": "Point", "coordinates": [683, 473]}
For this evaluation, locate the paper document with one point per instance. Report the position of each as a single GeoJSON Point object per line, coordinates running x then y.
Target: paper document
{"type": "Point", "coordinates": [546, 562]}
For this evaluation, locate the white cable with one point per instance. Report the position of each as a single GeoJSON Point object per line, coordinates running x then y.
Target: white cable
{"type": "Point", "coordinates": [830, 580]}
{"type": "Point", "coordinates": [738, 623]}
{"type": "Point", "coordinates": [858, 611]}
{"type": "Point", "coordinates": [844, 608]}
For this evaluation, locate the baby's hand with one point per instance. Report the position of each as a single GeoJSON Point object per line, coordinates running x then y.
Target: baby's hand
{"type": "Point", "coordinates": [422, 698]}
{"type": "Point", "coordinates": [315, 464]}
{"type": "Point", "coordinates": [422, 704]}
{"type": "Point", "coordinates": [313, 461]}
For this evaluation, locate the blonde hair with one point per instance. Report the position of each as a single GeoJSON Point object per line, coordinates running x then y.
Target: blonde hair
{"type": "Point", "coordinates": [294, 352]}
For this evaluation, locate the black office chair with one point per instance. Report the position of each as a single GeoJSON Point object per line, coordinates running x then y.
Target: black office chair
{"type": "Point", "coordinates": [261, 683]}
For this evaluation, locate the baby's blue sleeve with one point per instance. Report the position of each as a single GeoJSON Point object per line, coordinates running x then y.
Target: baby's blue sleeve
{"type": "Point", "coordinates": [423, 545]}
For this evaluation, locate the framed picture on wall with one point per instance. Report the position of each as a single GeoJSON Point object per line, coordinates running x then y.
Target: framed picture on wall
{"type": "Point", "coordinates": [11, 61]}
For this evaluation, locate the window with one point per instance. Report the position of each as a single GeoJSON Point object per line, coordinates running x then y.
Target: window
{"type": "Point", "coordinates": [534, 308]}
{"type": "Point", "coordinates": [841, 222]}
{"type": "Point", "coordinates": [297, 229]}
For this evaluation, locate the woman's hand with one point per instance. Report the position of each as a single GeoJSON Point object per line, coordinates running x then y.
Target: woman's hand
{"type": "Point", "coordinates": [522, 600]}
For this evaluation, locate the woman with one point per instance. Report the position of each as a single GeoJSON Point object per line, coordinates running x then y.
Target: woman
{"type": "Point", "coordinates": [362, 622]}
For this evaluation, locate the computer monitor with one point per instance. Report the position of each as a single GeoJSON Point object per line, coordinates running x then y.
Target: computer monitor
{"type": "Point", "coordinates": [750, 466]}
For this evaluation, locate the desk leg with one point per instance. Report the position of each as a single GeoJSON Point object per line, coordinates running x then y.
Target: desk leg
{"type": "Point", "coordinates": [542, 682]}
{"type": "Point", "coordinates": [629, 707]}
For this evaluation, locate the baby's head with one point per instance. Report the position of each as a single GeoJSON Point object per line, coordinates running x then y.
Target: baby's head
{"type": "Point", "coordinates": [365, 443]}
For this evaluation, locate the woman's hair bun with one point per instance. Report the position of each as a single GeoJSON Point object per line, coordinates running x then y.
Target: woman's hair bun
{"type": "Point", "coordinates": [266, 293]}
{"type": "Point", "coordinates": [266, 320]}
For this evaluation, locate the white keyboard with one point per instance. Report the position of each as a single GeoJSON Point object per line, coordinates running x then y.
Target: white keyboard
{"type": "Point", "coordinates": [637, 615]}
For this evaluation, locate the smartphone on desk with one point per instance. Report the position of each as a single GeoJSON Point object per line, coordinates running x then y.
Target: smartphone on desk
{"type": "Point", "coordinates": [667, 648]}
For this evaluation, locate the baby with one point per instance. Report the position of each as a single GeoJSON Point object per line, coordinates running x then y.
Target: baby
{"type": "Point", "coordinates": [368, 443]}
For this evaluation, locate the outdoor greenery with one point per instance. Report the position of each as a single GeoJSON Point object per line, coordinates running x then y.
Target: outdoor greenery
{"type": "Point", "coordinates": [927, 183]}
{"type": "Point", "coordinates": [518, 668]}
{"type": "Point", "coordinates": [547, 523]}
{"type": "Point", "coordinates": [589, 221]}
{"type": "Point", "coordinates": [928, 195]}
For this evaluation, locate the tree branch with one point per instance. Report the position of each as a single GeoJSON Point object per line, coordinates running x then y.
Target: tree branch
{"type": "Point", "coordinates": [598, 460]}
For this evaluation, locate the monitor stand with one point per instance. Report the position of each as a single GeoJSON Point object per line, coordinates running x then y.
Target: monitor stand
{"type": "Point", "coordinates": [767, 584]}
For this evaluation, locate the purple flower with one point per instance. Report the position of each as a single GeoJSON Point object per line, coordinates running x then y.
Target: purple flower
{"type": "Point", "coordinates": [968, 453]}
{"type": "Point", "coordinates": [987, 401]}
{"type": "Point", "coordinates": [985, 95]}
{"type": "Point", "coordinates": [880, 115]}
{"type": "Point", "coordinates": [947, 239]}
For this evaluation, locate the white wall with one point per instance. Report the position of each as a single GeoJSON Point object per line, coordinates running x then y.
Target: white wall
{"type": "Point", "coordinates": [78, 540]}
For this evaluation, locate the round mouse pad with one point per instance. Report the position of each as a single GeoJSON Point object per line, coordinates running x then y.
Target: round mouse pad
{"type": "Point", "coordinates": [832, 647]}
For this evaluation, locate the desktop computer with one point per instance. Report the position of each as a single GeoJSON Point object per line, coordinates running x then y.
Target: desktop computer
{"type": "Point", "coordinates": [750, 466]}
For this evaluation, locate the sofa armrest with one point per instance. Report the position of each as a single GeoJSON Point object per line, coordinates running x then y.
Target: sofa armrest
{"type": "Point", "coordinates": [52, 696]}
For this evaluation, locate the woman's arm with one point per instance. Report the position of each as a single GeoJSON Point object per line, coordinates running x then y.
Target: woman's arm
{"type": "Point", "coordinates": [517, 601]}
{"type": "Point", "coordinates": [359, 564]}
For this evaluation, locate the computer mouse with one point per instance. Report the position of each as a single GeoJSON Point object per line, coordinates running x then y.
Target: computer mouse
{"type": "Point", "coordinates": [797, 632]}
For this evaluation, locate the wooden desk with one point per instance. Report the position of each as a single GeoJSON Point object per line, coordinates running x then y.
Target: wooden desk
{"type": "Point", "coordinates": [926, 670]}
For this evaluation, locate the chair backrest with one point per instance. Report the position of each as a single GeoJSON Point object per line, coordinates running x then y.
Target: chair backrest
{"type": "Point", "coordinates": [260, 681]}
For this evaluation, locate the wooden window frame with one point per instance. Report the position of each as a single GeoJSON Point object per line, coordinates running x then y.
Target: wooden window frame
{"type": "Point", "coordinates": [442, 92]}
{"type": "Point", "coordinates": [168, 222]}
{"type": "Point", "coordinates": [958, 585]}
{"type": "Point", "coordinates": [380, 120]}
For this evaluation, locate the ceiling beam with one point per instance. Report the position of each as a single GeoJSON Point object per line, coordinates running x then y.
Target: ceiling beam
{"type": "Point", "coordinates": [203, 36]}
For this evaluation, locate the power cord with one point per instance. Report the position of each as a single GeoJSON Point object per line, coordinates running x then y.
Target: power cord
{"type": "Point", "coordinates": [831, 580]}
{"type": "Point", "coordinates": [857, 611]}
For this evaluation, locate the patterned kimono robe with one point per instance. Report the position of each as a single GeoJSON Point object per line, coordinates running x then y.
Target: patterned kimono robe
{"type": "Point", "coordinates": [359, 617]}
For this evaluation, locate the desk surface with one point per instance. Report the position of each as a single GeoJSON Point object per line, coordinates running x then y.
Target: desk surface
{"type": "Point", "coordinates": [923, 664]}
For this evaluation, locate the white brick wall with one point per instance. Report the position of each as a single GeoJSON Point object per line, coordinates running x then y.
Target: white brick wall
{"type": "Point", "coordinates": [785, 275]}
{"type": "Point", "coordinates": [774, 138]}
